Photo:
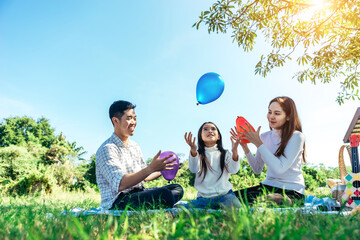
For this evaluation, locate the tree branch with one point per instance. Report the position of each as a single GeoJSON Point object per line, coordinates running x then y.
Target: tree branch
{"type": "Point", "coordinates": [242, 13]}
{"type": "Point", "coordinates": [332, 14]}
{"type": "Point", "coordinates": [297, 3]}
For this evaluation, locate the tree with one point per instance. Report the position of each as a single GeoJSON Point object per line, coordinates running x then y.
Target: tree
{"type": "Point", "coordinates": [322, 34]}
{"type": "Point", "coordinates": [61, 150]}
{"type": "Point", "coordinates": [90, 170]}
{"type": "Point", "coordinates": [26, 131]}
{"type": "Point", "coordinates": [20, 130]}
{"type": "Point", "coordinates": [33, 157]}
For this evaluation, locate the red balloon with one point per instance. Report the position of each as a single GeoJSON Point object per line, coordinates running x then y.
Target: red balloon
{"type": "Point", "coordinates": [170, 174]}
{"type": "Point", "coordinates": [241, 121]}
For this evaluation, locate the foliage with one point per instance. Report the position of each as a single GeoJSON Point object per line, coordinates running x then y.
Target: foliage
{"type": "Point", "coordinates": [66, 174]}
{"type": "Point", "coordinates": [330, 172]}
{"type": "Point", "coordinates": [313, 178]}
{"type": "Point", "coordinates": [316, 176]}
{"type": "Point", "coordinates": [34, 183]}
{"type": "Point", "coordinates": [323, 36]}
{"type": "Point", "coordinates": [246, 177]}
{"type": "Point", "coordinates": [89, 169]}
{"type": "Point", "coordinates": [25, 131]}
{"type": "Point", "coordinates": [30, 167]}
{"type": "Point", "coordinates": [20, 130]}
{"type": "Point", "coordinates": [16, 161]}
{"type": "Point", "coordinates": [31, 156]}
{"type": "Point", "coordinates": [62, 150]}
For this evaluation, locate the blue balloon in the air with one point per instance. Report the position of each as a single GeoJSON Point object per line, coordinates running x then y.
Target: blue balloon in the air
{"type": "Point", "coordinates": [209, 88]}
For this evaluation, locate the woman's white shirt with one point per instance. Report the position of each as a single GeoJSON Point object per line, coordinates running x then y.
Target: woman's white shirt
{"type": "Point", "coordinates": [284, 171]}
{"type": "Point", "coordinates": [212, 186]}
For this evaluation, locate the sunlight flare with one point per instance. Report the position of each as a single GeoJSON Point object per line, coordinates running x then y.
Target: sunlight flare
{"type": "Point", "coordinates": [314, 9]}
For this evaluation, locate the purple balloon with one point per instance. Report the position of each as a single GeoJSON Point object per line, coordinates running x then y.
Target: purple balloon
{"type": "Point", "coordinates": [170, 174]}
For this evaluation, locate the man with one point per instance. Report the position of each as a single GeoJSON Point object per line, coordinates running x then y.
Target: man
{"type": "Point", "coordinates": [121, 169]}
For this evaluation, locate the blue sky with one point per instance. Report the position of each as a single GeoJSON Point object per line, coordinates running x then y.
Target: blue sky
{"type": "Point", "coordinates": [69, 60]}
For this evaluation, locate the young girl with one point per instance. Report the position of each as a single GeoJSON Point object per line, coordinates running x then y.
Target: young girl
{"type": "Point", "coordinates": [213, 166]}
{"type": "Point", "coordinates": [282, 149]}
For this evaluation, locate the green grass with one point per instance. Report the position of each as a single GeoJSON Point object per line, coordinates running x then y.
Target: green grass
{"type": "Point", "coordinates": [28, 218]}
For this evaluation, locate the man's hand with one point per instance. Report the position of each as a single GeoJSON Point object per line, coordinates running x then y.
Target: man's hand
{"type": "Point", "coordinates": [160, 164]}
{"type": "Point", "coordinates": [149, 173]}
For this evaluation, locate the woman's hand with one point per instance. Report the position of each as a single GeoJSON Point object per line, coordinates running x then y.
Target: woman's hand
{"type": "Point", "coordinates": [191, 142]}
{"type": "Point", "coordinates": [251, 136]}
{"type": "Point", "coordinates": [235, 137]}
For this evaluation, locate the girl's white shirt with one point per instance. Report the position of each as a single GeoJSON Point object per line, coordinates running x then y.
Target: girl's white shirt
{"type": "Point", "coordinates": [212, 186]}
{"type": "Point", "coordinates": [284, 171]}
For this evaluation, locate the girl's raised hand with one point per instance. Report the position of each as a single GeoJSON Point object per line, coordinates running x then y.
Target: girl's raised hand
{"type": "Point", "coordinates": [234, 145]}
{"type": "Point", "coordinates": [235, 139]}
{"type": "Point", "coordinates": [234, 134]}
{"type": "Point", "coordinates": [191, 142]}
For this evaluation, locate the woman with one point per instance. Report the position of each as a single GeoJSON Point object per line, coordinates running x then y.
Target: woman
{"type": "Point", "coordinates": [282, 149]}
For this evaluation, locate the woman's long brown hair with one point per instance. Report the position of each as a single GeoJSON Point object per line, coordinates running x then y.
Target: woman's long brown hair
{"type": "Point", "coordinates": [293, 124]}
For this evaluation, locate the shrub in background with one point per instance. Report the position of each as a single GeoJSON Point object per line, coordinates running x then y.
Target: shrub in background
{"type": "Point", "coordinates": [33, 183]}
{"type": "Point", "coordinates": [89, 173]}
{"type": "Point", "coordinates": [246, 177]}
{"type": "Point", "coordinates": [314, 177]}
{"type": "Point", "coordinates": [16, 161]}
{"type": "Point", "coordinates": [61, 150]}
{"type": "Point", "coordinates": [65, 174]}
{"type": "Point", "coordinates": [330, 172]}
{"type": "Point", "coordinates": [31, 154]}
{"type": "Point", "coordinates": [89, 170]}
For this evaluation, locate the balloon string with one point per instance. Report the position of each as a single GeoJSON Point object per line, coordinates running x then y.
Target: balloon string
{"type": "Point", "coordinates": [197, 104]}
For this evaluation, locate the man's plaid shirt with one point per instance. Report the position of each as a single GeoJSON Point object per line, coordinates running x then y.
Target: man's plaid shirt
{"type": "Point", "coordinates": [114, 159]}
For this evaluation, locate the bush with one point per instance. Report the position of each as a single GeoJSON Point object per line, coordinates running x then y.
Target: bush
{"type": "Point", "coordinates": [16, 161]}
{"type": "Point", "coordinates": [67, 175]}
{"type": "Point", "coordinates": [330, 172]}
{"type": "Point", "coordinates": [30, 153]}
{"type": "Point", "coordinates": [246, 177]}
{"type": "Point", "coordinates": [90, 170]}
{"type": "Point", "coordinates": [33, 183]}
{"type": "Point", "coordinates": [313, 177]}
